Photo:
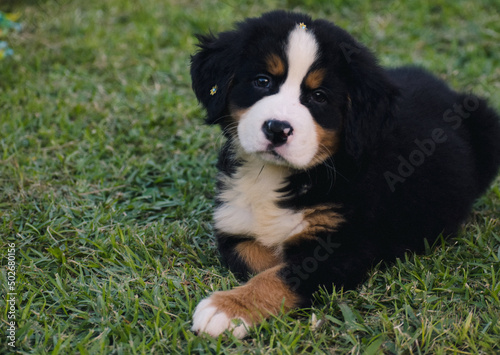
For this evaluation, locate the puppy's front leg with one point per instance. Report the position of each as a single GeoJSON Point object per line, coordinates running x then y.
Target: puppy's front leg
{"type": "Point", "coordinates": [246, 256]}
{"type": "Point", "coordinates": [238, 309]}
{"type": "Point", "coordinates": [280, 285]}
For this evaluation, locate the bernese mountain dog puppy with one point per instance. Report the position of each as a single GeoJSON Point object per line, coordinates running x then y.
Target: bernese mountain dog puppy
{"type": "Point", "coordinates": [331, 164]}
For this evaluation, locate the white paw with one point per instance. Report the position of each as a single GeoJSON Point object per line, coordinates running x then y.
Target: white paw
{"type": "Point", "coordinates": [209, 319]}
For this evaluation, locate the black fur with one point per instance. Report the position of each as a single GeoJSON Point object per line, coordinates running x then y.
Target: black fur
{"type": "Point", "coordinates": [414, 157]}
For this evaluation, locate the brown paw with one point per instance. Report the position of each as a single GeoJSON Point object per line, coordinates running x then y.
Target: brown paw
{"type": "Point", "coordinates": [238, 309]}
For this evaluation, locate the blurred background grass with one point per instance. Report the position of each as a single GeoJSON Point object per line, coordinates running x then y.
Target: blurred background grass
{"type": "Point", "coordinates": [107, 180]}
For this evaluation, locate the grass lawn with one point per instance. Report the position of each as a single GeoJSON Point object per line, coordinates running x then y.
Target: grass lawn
{"type": "Point", "coordinates": [107, 181]}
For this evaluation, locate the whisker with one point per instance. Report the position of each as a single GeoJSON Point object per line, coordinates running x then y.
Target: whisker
{"type": "Point", "coordinates": [260, 172]}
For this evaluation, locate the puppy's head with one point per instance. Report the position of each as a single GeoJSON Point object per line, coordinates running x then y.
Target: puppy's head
{"type": "Point", "coordinates": [292, 91]}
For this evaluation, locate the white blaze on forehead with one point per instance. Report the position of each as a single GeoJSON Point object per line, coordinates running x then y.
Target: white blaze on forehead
{"type": "Point", "coordinates": [301, 53]}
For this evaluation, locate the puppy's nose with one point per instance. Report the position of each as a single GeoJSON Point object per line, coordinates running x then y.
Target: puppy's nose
{"type": "Point", "coordinates": [277, 132]}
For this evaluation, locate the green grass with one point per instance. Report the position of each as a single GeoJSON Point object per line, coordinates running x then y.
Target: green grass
{"type": "Point", "coordinates": [106, 185]}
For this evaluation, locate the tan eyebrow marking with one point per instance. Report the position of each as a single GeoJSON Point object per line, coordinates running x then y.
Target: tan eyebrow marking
{"type": "Point", "coordinates": [315, 78]}
{"type": "Point", "coordinates": [275, 65]}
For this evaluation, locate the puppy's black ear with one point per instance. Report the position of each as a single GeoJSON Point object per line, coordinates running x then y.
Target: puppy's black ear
{"type": "Point", "coordinates": [371, 106]}
{"type": "Point", "coordinates": [212, 70]}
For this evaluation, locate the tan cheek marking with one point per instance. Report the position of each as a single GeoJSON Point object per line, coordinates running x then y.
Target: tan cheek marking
{"type": "Point", "coordinates": [236, 112]}
{"type": "Point", "coordinates": [275, 65]}
{"type": "Point", "coordinates": [262, 296]}
{"type": "Point", "coordinates": [256, 256]}
{"type": "Point", "coordinates": [315, 78]}
{"type": "Point", "coordinates": [323, 218]}
{"type": "Point", "coordinates": [328, 144]}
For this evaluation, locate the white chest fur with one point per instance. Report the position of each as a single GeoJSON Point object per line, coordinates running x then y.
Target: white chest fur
{"type": "Point", "coordinates": [249, 205]}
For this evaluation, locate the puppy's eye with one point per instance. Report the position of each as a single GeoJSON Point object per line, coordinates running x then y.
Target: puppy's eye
{"type": "Point", "coordinates": [262, 81]}
{"type": "Point", "coordinates": [318, 96]}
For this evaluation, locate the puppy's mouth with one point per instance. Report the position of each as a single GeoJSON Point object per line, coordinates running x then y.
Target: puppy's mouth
{"type": "Point", "coordinates": [271, 155]}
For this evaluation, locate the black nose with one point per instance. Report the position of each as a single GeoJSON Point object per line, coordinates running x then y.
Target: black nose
{"type": "Point", "coordinates": [277, 132]}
